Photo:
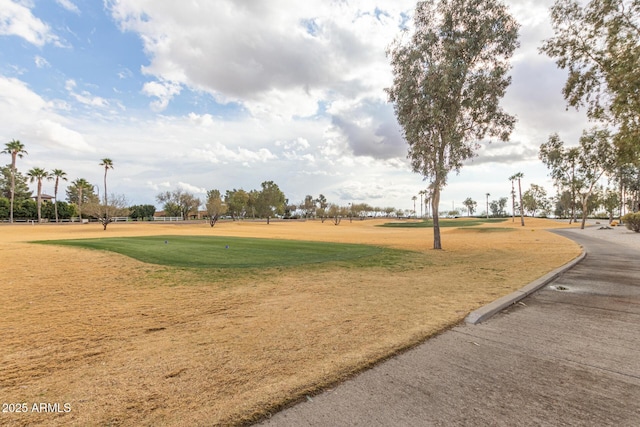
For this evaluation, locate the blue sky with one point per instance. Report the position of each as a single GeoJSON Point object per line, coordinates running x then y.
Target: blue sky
{"type": "Point", "coordinates": [225, 94]}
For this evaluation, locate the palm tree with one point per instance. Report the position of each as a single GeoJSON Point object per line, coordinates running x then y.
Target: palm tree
{"type": "Point", "coordinates": [488, 194]}
{"type": "Point", "coordinates": [513, 199]}
{"type": "Point", "coordinates": [38, 174]}
{"type": "Point", "coordinates": [16, 149]}
{"type": "Point", "coordinates": [108, 164]}
{"type": "Point", "coordinates": [58, 174]}
{"type": "Point", "coordinates": [519, 176]}
{"type": "Point", "coordinates": [414, 198]}
{"type": "Point", "coordinates": [422, 193]}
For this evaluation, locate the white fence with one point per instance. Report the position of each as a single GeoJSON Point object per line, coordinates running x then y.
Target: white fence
{"type": "Point", "coordinates": [167, 218]}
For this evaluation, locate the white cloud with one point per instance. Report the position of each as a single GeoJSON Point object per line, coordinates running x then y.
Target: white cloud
{"type": "Point", "coordinates": [85, 97]}
{"type": "Point", "coordinates": [218, 153]}
{"type": "Point", "coordinates": [125, 73]}
{"type": "Point", "coordinates": [295, 145]}
{"type": "Point", "coordinates": [164, 91]}
{"type": "Point", "coordinates": [192, 188]}
{"type": "Point", "coordinates": [41, 62]}
{"type": "Point", "coordinates": [16, 19]}
{"type": "Point", "coordinates": [55, 135]}
{"type": "Point", "coordinates": [69, 5]}
{"type": "Point", "coordinates": [294, 55]}
{"type": "Point", "coordinates": [304, 87]}
{"type": "Point", "coordinates": [16, 94]}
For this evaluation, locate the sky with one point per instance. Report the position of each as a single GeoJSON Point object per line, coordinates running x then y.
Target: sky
{"type": "Point", "coordinates": [227, 94]}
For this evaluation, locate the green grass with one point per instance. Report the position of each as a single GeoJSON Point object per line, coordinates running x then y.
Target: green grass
{"type": "Point", "coordinates": [230, 252]}
{"type": "Point", "coordinates": [466, 222]}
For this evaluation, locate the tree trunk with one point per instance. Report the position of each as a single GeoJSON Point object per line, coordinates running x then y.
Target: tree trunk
{"type": "Point", "coordinates": [435, 201]}
{"type": "Point", "coordinates": [39, 201]}
{"type": "Point", "coordinates": [13, 185]}
{"type": "Point", "coordinates": [584, 211]}
{"type": "Point", "coordinates": [80, 204]}
{"type": "Point", "coordinates": [573, 194]}
{"type": "Point", "coordinates": [521, 207]}
{"type": "Point", "coordinates": [572, 218]}
{"type": "Point", "coordinates": [621, 198]}
{"type": "Point", "coordinates": [513, 203]}
{"type": "Point", "coordinates": [55, 197]}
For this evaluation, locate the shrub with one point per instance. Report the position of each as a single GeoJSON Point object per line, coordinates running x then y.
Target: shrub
{"type": "Point", "coordinates": [632, 221]}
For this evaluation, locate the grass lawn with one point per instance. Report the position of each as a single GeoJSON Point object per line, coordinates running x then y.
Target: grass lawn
{"type": "Point", "coordinates": [225, 252]}
{"type": "Point", "coordinates": [190, 332]}
{"type": "Point", "coordinates": [444, 223]}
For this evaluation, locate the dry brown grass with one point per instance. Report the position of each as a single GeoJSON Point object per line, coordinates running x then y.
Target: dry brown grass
{"type": "Point", "coordinates": [128, 343]}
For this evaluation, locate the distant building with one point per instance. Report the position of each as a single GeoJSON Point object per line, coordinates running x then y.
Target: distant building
{"type": "Point", "coordinates": [44, 198]}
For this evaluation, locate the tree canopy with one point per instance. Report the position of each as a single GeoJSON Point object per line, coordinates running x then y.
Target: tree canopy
{"type": "Point", "coordinates": [179, 201]}
{"type": "Point", "coordinates": [16, 150]}
{"type": "Point", "coordinates": [270, 201]}
{"type": "Point", "coordinates": [448, 81]}
{"type": "Point", "coordinates": [471, 205]}
{"type": "Point", "coordinates": [599, 45]}
{"type": "Point", "coordinates": [215, 206]}
{"type": "Point", "coordinates": [581, 167]}
{"type": "Point", "coordinates": [21, 191]}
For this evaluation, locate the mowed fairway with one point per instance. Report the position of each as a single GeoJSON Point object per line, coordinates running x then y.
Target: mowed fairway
{"type": "Point", "coordinates": [224, 252]}
{"type": "Point", "coordinates": [127, 342]}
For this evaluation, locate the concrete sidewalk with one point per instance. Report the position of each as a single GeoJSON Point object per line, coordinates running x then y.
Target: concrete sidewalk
{"type": "Point", "coordinates": [568, 354]}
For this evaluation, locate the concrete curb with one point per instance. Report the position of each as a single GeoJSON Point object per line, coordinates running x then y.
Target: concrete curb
{"type": "Point", "coordinates": [484, 313]}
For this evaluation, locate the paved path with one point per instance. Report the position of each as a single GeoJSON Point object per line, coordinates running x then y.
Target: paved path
{"type": "Point", "coordinates": [566, 355]}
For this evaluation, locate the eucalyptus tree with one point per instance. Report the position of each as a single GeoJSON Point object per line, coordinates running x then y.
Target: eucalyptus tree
{"type": "Point", "coordinates": [37, 175]}
{"type": "Point", "coordinates": [610, 202]}
{"type": "Point", "coordinates": [534, 199]}
{"type": "Point", "coordinates": [448, 79]}
{"type": "Point", "coordinates": [582, 166]}
{"type": "Point", "coordinates": [179, 201]}
{"type": "Point", "coordinates": [308, 206]}
{"type": "Point", "coordinates": [497, 207]}
{"type": "Point", "coordinates": [237, 202]}
{"type": "Point", "coordinates": [215, 206]}
{"type": "Point", "coordinates": [562, 164]}
{"type": "Point", "coordinates": [57, 174]}
{"type": "Point", "coordinates": [598, 42]}
{"type": "Point", "coordinates": [16, 149]}
{"type": "Point", "coordinates": [471, 205]}
{"type": "Point", "coordinates": [322, 201]}
{"type": "Point", "coordinates": [597, 157]}
{"type": "Point", "coordinates": [337, 212]}
{"type": "Point", "coordinates": [270, 200]}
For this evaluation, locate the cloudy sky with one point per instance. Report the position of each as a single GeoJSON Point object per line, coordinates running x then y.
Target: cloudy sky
{"type": "Point", "coordinates": [227, 94]}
